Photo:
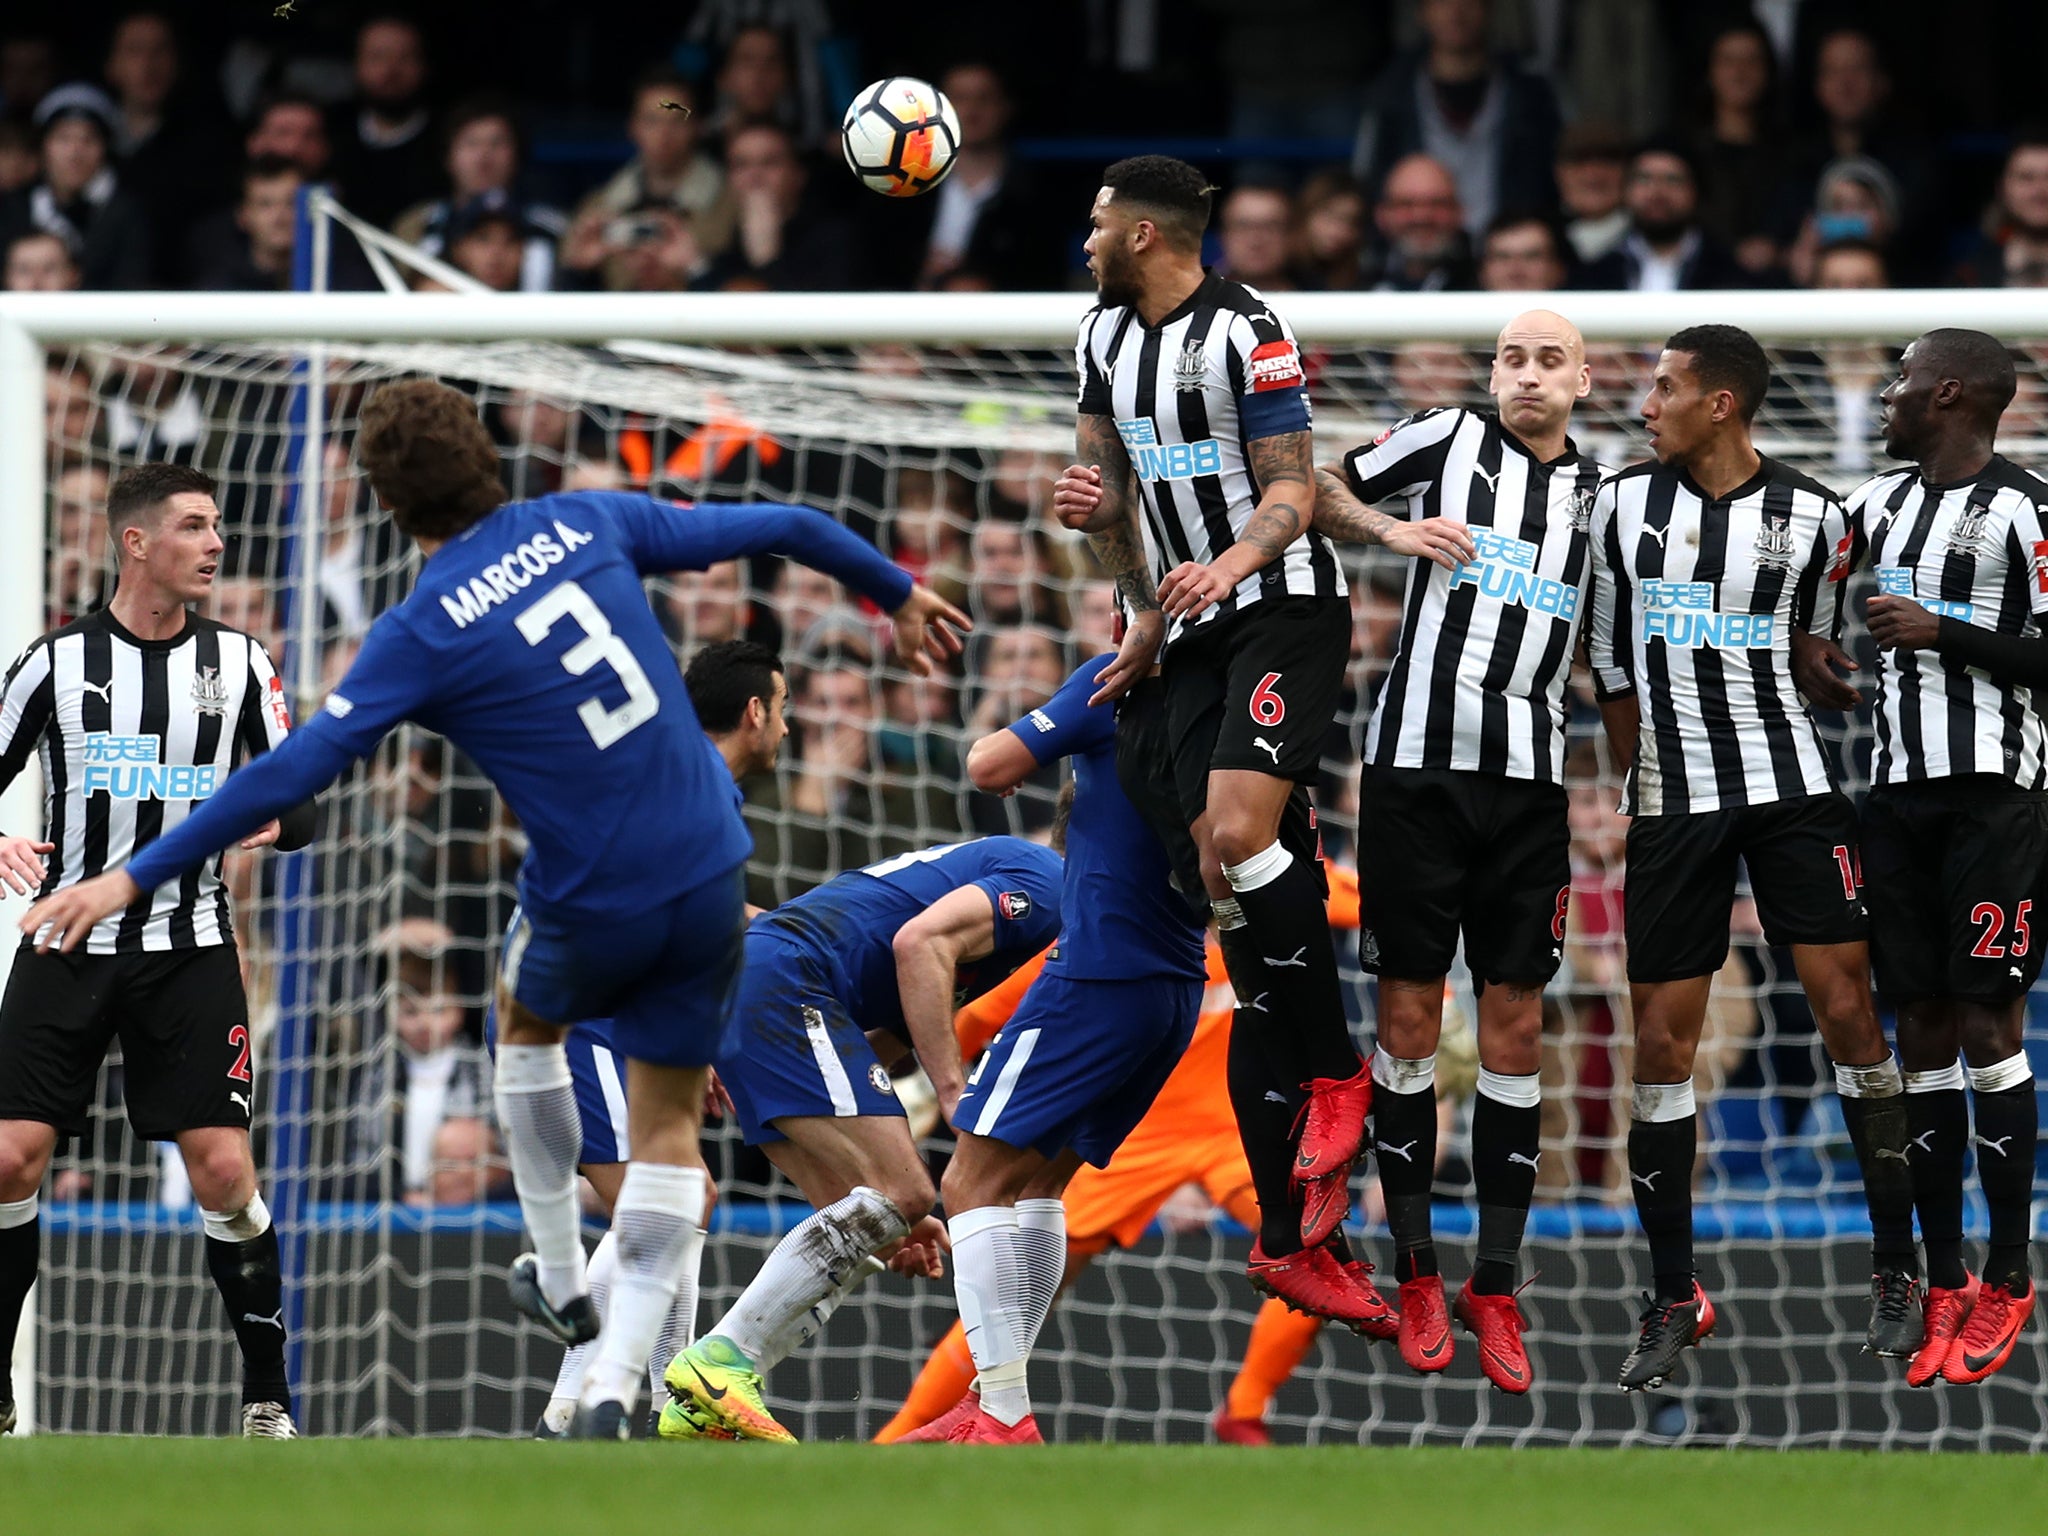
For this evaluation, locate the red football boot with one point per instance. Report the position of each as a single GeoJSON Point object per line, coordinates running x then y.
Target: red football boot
{"type": "Point", "coordinates": [1496, 1322]}
{"type": "Point", "coordinates": [986, 1429]}
{"type": "Point", "coordinates": [1333, 1125]}
{"type": "Point", "coordinates": [1378, 1320]}
{"type": "Point", "coordinates": [1948, 1308]}
{"type": "Point", "coordinates": [1986, 1342]}
{"type": "Point", "coordinates": [1425, 1327]}
{"type": "Point", "coordinates": [1234, 1431]}
{"type": "Point", "coordinates": [1311, 1280]}
{"type": "Point", "coordinates": [1325, 1202]}
{"type": "Point", "coordinates": [943, 1426]}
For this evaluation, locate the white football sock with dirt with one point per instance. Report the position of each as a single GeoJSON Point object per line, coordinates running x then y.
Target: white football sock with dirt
{"type": "Point", "coordinates": [988, 1283]}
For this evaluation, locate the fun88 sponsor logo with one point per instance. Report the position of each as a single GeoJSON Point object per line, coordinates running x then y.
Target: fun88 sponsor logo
{"type": "Point", "coordinates": [1897, 581]}
{"type": "Point", "coordinates": [1682, 613]}
{"type": "Point", "coordinates": [1504, 569]}
{"type": "Point", "coordinates": [1168, 461]}
{"type": "Point", "coordinates": [126, 768]}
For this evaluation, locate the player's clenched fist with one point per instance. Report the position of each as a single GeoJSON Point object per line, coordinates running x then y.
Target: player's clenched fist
{"type": "Point", "coordinates": [1077, 495]}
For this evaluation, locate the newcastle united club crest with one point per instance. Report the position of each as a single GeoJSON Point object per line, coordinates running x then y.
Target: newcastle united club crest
{"type": "Point", "coordinates": [209, 693]}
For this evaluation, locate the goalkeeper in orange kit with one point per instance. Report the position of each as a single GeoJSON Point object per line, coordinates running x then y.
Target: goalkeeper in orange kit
{"type": "Point", "coordinates": [1188, 1137]}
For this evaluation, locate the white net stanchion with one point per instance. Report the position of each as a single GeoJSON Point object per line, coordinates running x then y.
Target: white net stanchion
{"type": "Point", "coordinates": [368, 957]}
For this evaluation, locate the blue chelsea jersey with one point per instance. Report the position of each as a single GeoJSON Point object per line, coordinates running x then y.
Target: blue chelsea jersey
{"type": "Point", "coordinates": [528, 642]}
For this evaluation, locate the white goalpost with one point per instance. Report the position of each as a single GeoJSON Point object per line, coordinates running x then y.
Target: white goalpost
{"type": "Point", "coordinates": [933, 424]}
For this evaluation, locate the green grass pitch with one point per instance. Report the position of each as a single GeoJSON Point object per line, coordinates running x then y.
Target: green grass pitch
{"type": "Point", "coordinates": [442, 1488]}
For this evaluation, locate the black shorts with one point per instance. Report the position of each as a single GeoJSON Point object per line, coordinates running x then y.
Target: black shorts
{"type": "Point", "coordinates": [183, 1023]}
{"type": "Point", "coordinates": [1801, 857]}
{"type": "Point", "coordinates": [1257, 691]}
{"type": "Point", "coordinates": [1441, 851]}
{"type": "Point", "coordinates": [1952, 870]}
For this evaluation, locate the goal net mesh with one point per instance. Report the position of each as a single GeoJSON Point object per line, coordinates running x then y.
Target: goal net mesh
{"type": "Point", "coordinates": [368, 957]}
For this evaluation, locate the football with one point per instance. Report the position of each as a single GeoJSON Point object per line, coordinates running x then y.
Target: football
{"type": "Point", "coordinates": [900, 136]}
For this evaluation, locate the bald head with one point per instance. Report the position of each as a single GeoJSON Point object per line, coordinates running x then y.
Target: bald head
{"type": "Point", "coordinates": [1537, 328]}
{"type": "Point", "coordinates": [1945, 404]}
{"type": "Point", "coordinates": [1539, 374]}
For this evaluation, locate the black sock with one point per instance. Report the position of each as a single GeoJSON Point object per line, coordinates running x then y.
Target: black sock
{"type": "Point", "coordinates": [1292, 988]}
{"type": "Point", "coordinates": [1404, 1141]}
{"type": "Point", "coordinates": [1267, 1097]}
{"type": "Point", "coordinates": [246, 1274]}
{"type": "Point", "coordinates": [1660, 1155]}
{"type": "Point", "coordinates": [20, 1249]}
{"type": "Point", "coordinates": [1939, 1124]}
{"type": "Point", "coordinates": [1878, 1130]}
{"type": "Point", "coordinates": [1506, 1142]}
{"type": "Point", "coordinates": [2008, 1123]}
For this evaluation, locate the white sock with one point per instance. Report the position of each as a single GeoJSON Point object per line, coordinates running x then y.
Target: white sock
{"type": "Point", "coordinates": [678, 1332]}
{"type": "Point", "coordinates": [1042, 1256]}
{"type": "Point", "coordinates": [808, 1324]}
{"type": "Point", "coordinates": [819, 1255]}
{"type": "Point", "coordinates": [543, 1142]}
{"type": "Point", "coordinates": [988, 1283]}
{"type": "Point", "coordinates": [660, 1243]}
{"type": "Point", "coordinates": [604, 1268]}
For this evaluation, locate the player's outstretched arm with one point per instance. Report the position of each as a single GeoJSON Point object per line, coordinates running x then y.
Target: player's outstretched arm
{"type": "Point", "coordinates": [959, 927]}
{"type": "Point", "coordinates": [1340, 516]}
{"type": "Point", "coordinates": [999, 762]}
{"type": "Point", "coordinates": [1283, 467]}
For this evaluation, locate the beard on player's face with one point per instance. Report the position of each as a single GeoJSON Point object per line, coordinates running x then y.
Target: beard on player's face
{"type": "Point", "coordinates": [1116, 273]}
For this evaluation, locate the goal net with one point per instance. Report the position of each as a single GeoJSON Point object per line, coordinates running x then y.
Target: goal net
{"type": "Point", "coordinates": [367, 957]}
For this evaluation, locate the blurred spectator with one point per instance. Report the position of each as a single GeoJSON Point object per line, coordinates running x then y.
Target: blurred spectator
{"type": "Point", "coordinates": [386, 159]}
{"type": "Point", "coordinates": [1492, 124]}
{"type": "Point", "coordinates": [17, 156]}
{"type": "Point", "coordinates": [1592, 181]}
{"type": "Point", "coordinates": [2012, 251]}
{"type": "Point", "coordinates": [809, 605]}
{"type": "Point", "coordinates": [78, 578]}
{"type": "Point", "coordinates": [78, 197]}
{"type": "Point", "coordinates": [669, 170]}
{"type": "Point", "coordinates": [28, 71]}
{"type": "Point", "coordinates": [38, 262]}
{"type": "Point", "coordinates": [1428, 374]}
{"type": "Point", "coordinates": [755, 85]}
{"type": "Point", "coordinates": [468, 1165]}
{"type": "Point", "coordinates": [172, 157]}
{"type": "Point", "coordinates": [1850, 264]}
{"type": "Point", "coordinates": [845, 807]}
{"type": "Point", "coordinates": [815, 77]}
{"type": "Point", "coordinates": [76, 425]}
{"type": "Point", "coordinates": [292, 127]}
{"type": "Point", "coordinates": [1856, 200]}
{"type": "Point", "coordinates": [1521, 254]}
{"type": "Point", "coordinates": [1665, 249]}
{"type": "Point", "coordinates": [244, 602]}
{"type": "Point", "coordinates": [1421, 227]}
{"type": "Point", "coordinates": [1094, 628]}
{"type": "Point", "coordinates": [259, 253]}
{"type": "Point", "coordinates": [1255, 225]}
{"type": "Point", "coordinates": [1329, 236]}
{"type": "Point", "coordinates": [706, 607]}
{"type": "Point", "coordinates": [987, 217]}
{"type": "Point", "coordinates": [1024, 667]}
{"type": "Point", "coordinates": [441, 1075]}
{"type": "Point", "coordinates": [1853, 91]}
{"type": "Point", "coordinates": [779, 242]}
{"type": "Point", "coordinates": [487, 240]}
{"type": "Point", "coordinates": [1835, 393]}
{"type": "Point", "coordinates": [1009, 573]}
{"type": "Point", "coordinates": [483, 146]}
{"type": "Point", "coordinates": [1737, 140]}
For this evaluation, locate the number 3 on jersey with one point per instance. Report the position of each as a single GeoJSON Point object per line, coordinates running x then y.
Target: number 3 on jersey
{"type": "Point", "coordinates": [599, 643]}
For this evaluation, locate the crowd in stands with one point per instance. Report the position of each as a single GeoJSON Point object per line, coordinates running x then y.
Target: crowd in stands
{"type": "Point", "coordinates": [1610, 144]}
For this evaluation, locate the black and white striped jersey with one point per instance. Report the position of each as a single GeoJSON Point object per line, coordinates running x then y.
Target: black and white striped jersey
{"type": "Point", "coordinates": [132, 733]}
{"type": "Point", "coordinates": [1478, 676]}
{"type": "Point", "coordinates": [1189, 397]}
{"type": "Point", "coordinates": [1974, 552]}
{"type": "Point", "coordinates": [1694, 602]}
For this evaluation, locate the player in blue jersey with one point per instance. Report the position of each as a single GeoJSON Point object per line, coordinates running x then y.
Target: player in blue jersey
{"type": "Point", "coordinates": [528, 642]}
{"type": "Point", "coordinates": [838, 983]}
{"type": "Point", "coordinates": [1077, 1067]}
{"type": "Point", "coordinates": [739, 690]}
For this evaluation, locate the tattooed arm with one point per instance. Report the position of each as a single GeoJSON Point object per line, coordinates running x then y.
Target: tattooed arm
{"type": "Point", "coordinates": [1097, 496]}
{"type": "Point", "coordinates": [1283, 468]}
{"type": "Point", "coordinates": [1341, 516]}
